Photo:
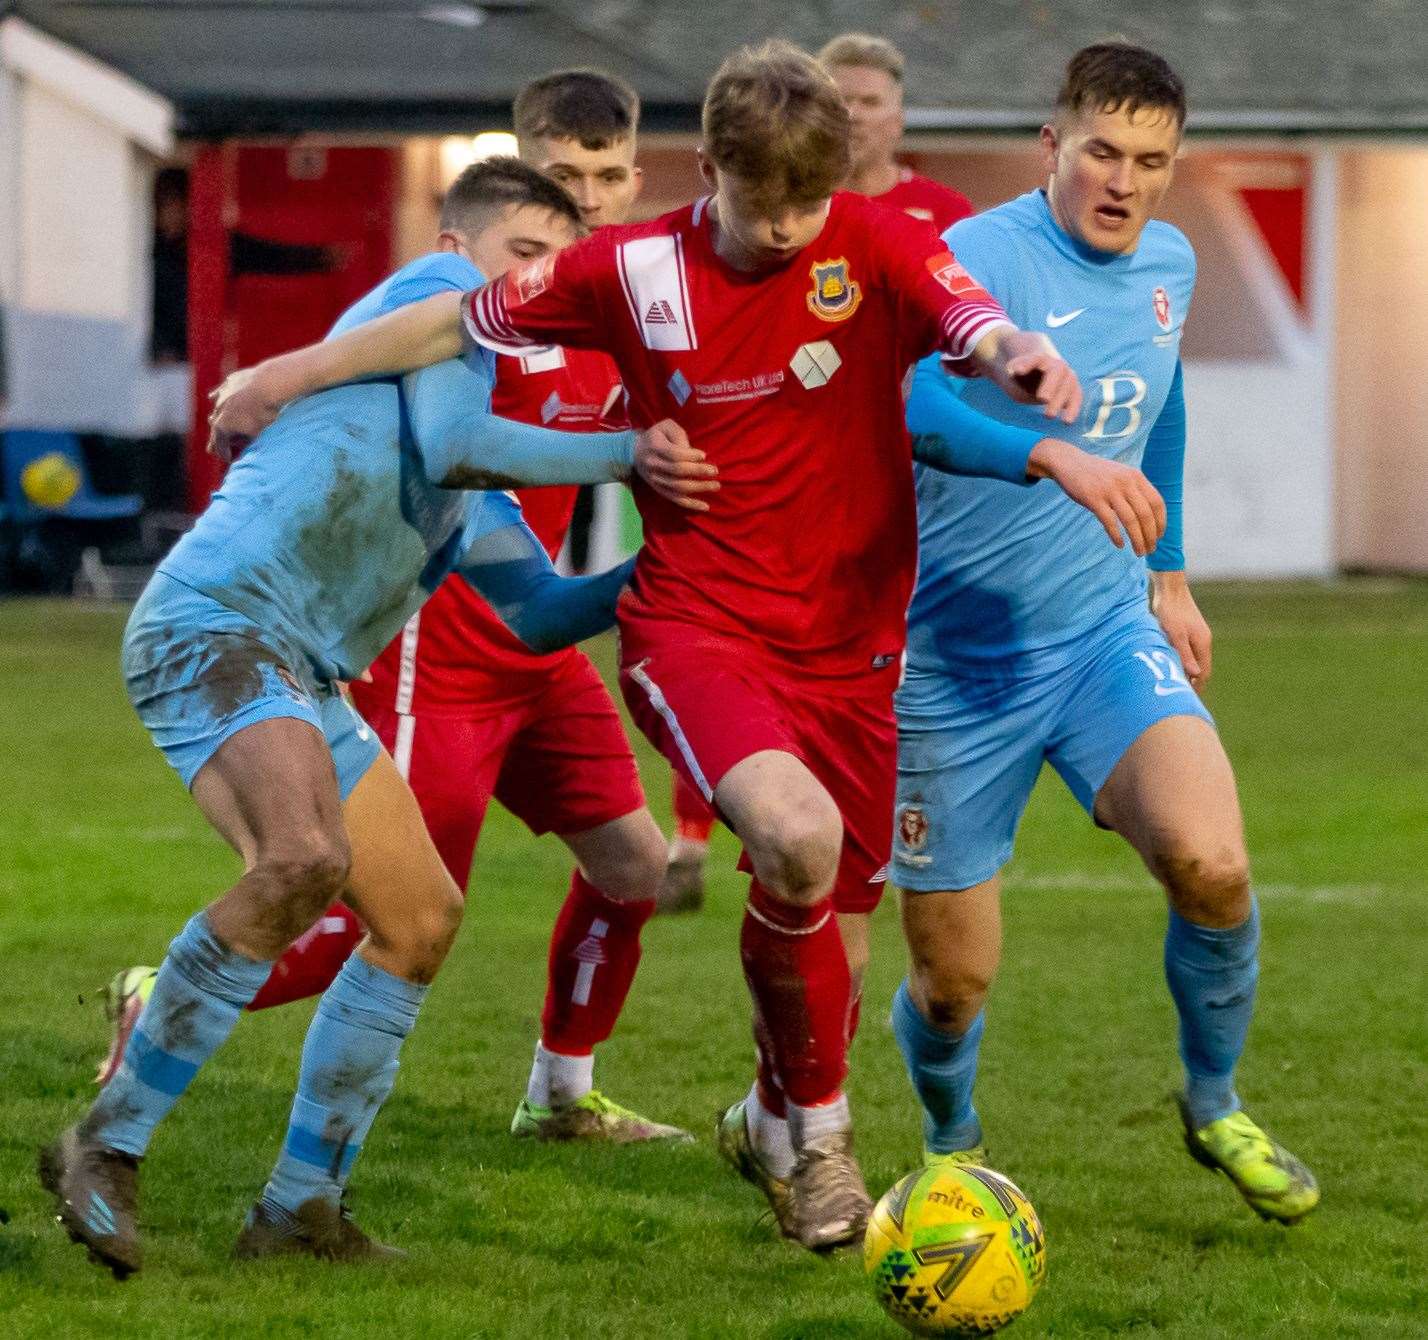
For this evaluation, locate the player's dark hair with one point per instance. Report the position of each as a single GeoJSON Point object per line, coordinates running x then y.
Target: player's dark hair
{"type": "Point", "coordinates": [590, 106]}
{"type": "Point", "coordinates": [493, 184]}
{"type": "Point", "coordinates": [1118, 76]}
{"type": "Point", "coordinates": [773, 117]}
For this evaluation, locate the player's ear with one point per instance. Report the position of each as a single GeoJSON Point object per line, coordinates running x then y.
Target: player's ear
{"type": "Point", "coordinates": [1050, 143]}
{"type": "Point", "coordinates": [638, 173]}
{"type": "Point", "coordinates": [707, 169]}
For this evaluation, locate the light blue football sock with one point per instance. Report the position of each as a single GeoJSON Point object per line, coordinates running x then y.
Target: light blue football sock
{"type": "Point", "coordinates": [199, 993]}
{"type": "Point", "coordinates": [349, 1064]}
{"type": "Point", "coordinates": [943, 1069]}
{"type": "Point", "coordinates": [1212, 974]}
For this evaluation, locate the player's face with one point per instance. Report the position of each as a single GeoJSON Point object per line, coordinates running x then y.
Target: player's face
{"type": "Point", "coordinates": [604, 182]}
{"type": "Point", "coordinates": [874, 101]}
{"type": "Point", "coordinates": [756, 233]}
{"type": "Point", "coordinates": [519, 233]}
{"type": "Point", "coordinates": [1109, 171]}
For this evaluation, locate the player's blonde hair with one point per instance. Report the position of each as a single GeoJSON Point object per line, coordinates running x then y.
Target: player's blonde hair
{"type": "Point", "coordinates": [774, 118]}
{"type": "Point", "coordinates": [865, 52]}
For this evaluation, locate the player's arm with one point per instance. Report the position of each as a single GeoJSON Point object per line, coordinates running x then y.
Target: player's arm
{"type": "Point", "coordinates": [464, 446]}
{"type": "Point", "coordinates": [949, 435]}
{"type": "Point", "coordinates": [969, 326]}
{"type": "Point", "coordinates": [551, 300]}
{"type": "Point", "coordinates": [413, 336]}
{"type": "Point", "coordinates": [507, 566]}
{"type": "Point", "coordinates": [1174, 606]}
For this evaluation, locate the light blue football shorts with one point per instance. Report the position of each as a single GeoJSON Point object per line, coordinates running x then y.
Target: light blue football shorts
{"type": "Point", "coordinates": [197, 672]}
{"type": "Point", "coordinates": [970, 748]}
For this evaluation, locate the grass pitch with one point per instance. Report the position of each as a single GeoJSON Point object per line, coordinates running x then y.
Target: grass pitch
{"type": "Point", "coordinates": [1320, 694]}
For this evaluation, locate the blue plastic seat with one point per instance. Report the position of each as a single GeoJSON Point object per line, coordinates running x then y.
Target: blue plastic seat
{"type": "Point", "coordinates": [23, 445]}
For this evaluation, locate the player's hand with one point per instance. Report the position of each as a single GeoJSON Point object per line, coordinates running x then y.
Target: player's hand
{"type": "Point", "coordinates": [242, 407]}
{"type": "Point", "coordinates": [1122, 499]}
{"type": "Point", "coordinates": [1182, 623]}
{"type": "Point", "coordinates": [672, 467]}
{"type": "Point", "coordinates": [1028, 368]}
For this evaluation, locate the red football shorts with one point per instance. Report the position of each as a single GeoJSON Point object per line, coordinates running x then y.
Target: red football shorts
{"type": "Point", "coordinates": [559, 761]}
{"type": "Point", "coordinates": [706, 703]}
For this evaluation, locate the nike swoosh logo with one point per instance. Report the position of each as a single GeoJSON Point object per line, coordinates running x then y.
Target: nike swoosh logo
{"type": "Point", "coordinates": [1054, 321]}
{"type": "Point", "coordinates": [1162, 691]}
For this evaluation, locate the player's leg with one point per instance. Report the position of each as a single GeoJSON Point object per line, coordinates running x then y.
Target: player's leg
{"type": "Point", "coordinates": [730, 734]}
{"type": "Point", "coordinates": [570, 770]}
{"type": "Point", "coordinates": [851, 742]}
{"type": "Point", "coordinates": [968, 758]}
{"type": "Point", "coordinates": [270, 790]}
{"type": "Point", "coordinates": [451, 764]}
{"type": "Point", "coordinates": [954, 948]}
{"type": "Point", "coordinates": [241, 725]}
{"type": "Point", "coordinates": [798, 975]}
{"type": "Point", "coordinates": [412, 910]}
{"type": "Point", "coordinates": [1172, 797]}
{"type": "Point", "coordinates": [682, 889]}
{"type": "Point", "coordinates": [760, 1121]}
{"type": "Point", "coordinates": [1191, 836]}
{"type": "Point", "coordinates": [1141, 753]}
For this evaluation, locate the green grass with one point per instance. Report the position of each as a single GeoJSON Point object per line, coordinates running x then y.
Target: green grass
{"type": "Point", "coordinates": [1320, 692]}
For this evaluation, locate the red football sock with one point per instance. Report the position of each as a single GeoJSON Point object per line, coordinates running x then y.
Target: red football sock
{"type": "Point", "coordinates": [770, 1090]}
{"type": "Point", "coordinates": [313, 960]}
{"type": "Point", "coordinates": [693, 819]}
{"type": "Point", "coordinates": [594, 951]}
{"type": "Point", "coordinates": [797, 973]}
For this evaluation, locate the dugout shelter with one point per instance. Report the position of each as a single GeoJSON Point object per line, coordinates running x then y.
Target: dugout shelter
{"type": "Point", "coordinates": [331, 127]}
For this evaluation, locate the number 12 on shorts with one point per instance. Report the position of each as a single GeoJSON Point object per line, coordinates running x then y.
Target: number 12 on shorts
{"type": "Point", "coordinates": [1169, 677]}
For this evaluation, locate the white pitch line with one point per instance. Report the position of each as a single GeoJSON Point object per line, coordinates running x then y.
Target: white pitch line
{"type": "Point", "coordinates": [1082, 881]}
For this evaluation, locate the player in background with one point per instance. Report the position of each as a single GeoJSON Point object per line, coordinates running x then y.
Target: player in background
{"type": "Point", "coordinates": [1030, 637]}
{"type": "Point", "coordinates": [868, 71]}
{"type": "Point", "coordinates": [324, 538]}
{"type": "Point", "coordinates": [775, 321]}
{"type": "Point", "coordinates": [468, 711]}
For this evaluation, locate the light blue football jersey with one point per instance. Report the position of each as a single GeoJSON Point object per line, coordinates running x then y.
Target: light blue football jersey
{"type": "Point", "coordinates": [1010, 576]}
{"type": "Point", "coordinates": [327, 528]}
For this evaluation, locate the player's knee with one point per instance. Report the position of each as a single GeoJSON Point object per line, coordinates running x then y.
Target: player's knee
{"type": "Point", "coordinates": [1207, 888]}
{"type": "Point", "coordinates": [419, 945]}
{"type": "Point", "coordinates": [950, 996]}
{"type": "Point", "coordinates": [630, 866]}
{"type": "Point", "coordinates": [796, 852]}
{"type": "Point", "coordinates": [299, 876]}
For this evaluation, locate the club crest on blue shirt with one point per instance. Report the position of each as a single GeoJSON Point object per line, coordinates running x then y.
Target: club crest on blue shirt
{"type": "Point", "coordinates": [835, 296]}
{"type": "Point", "coordinates": [1160, 301]}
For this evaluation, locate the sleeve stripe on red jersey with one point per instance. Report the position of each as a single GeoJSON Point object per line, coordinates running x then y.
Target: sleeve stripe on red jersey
{"type": "Point", "coordinates": [486, 322]}
{"type": "Point", "coordinates": [965, 324]}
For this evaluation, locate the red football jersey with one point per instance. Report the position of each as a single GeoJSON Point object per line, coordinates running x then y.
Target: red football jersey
{"type": "Point", "coordinates": [455, 652]}
{"type": "Point", "coordinates": [924, 198]}
{"type": "Point", "coordinates": [790, 381]}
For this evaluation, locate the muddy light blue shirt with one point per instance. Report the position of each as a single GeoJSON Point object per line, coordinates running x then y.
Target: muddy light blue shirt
{"type": "Point", "coordinates": [334, 526]}
{"type": "Point", "coordinates": [1012, 575]}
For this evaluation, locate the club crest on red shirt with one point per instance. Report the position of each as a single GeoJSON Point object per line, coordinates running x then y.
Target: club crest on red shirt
{"type": "Point", "coordinates": [1160, 300]}
{"type": "Point", "coordinates": [835, 296]}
